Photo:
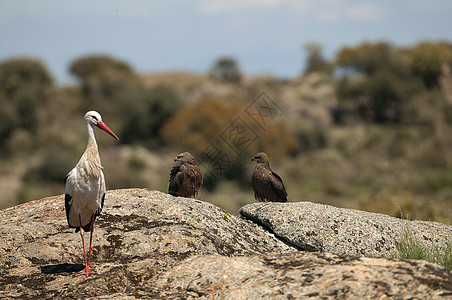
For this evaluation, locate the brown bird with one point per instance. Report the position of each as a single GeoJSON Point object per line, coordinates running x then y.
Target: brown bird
{"type": "Point", "coordinates": [185, 179]}
{"type": "Point", "coordinates": [267, 185]}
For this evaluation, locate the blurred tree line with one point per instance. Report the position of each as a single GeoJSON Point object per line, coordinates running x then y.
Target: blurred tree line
{"type": "Point", "coordinates": [380, 83]}
{"type": "Point", "coordinates": [25, 85]}
{"type": "Point", "coordinates": [375, 82]}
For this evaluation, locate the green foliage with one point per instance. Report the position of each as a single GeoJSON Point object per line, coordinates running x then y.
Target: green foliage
{"type": "Point", "coordinates": [7, 124]}
{"type": "Point", "coordinates": [427, 59]}
{"type": "Point", "coordinates": [55, 164]}
{"type": "Point", "coordinates": [136, 163]}
{"type": "Point", "coordinates": [410, 248]}
{"type": "Point", "coordinates": [27, 106]}
{"type": "Point", "coordinates": [315, 62]}
{"type": "Point", "coordinates": [23, 73]}
{"type": "Point", "coordinates": [24, 87]}
{"type": "Point", "coordinates": [210, 181]}
{"type": "Point", "coordinates": [226, 69]}
{"type": "Point", "coordinates": [89, 66]}
{"type": "Point", "coordinates": [237, 171]}
{"type": "Point", "coordinates": [385, 86]}
{"type": "Point", "coordinates": [312, 138]}
{"type": "Point", "coordinates": [374, 100]}
{"type": "Point", "coordinates": [149, 111]}
{"type": "Point", "coordinates": [369, 58]}
{"type": "Point", "coordinates": [225, 217]}
{"type": "Point", "coordinates": [105, 81]}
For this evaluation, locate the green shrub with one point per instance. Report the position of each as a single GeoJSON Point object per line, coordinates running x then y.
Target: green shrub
{"type": "Point", "coordinates": [24, 89]}
{"type": "Point", "coordinates": [315, 61]}
{"type": "Point", "coordinates": [312, 138]}
{"type": "Point", "coordinates": [106, 83]}
{"type": "Point", "coordinates": [427, 59]}
{"type": "Point", "coordinates": [150, 110]}
{"type": "Point", "coordinates": [381, 86]}
{"type": "Point", "coordinates": [8, 122]}
{"type": "Point", "coordinates": [54, 165]}
{"type": "Point", "coordinates": [23, 73]}
{"type": "Point", "coordinates": [226, 69]}
{"type": "Point", "coordinates": [90, 65]}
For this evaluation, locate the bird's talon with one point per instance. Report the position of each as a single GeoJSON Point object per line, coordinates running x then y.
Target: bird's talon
{"type": "Point", "coordinates": [86, 271]}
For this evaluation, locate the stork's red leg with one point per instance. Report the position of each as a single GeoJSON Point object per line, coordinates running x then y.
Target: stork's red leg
{"type": "Point", "coordinates": [86, 271]}
{"type": "Point", "coordinates": [90, 242]}
{"type": "Point", "coordinates": [82, 234]}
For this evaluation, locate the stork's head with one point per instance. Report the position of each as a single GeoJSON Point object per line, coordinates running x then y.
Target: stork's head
{"type": "Point", "coordinates": [185, 157]}
{"type": "Point", "coordinates": [260, 157]}
{"type": "Point", "coordinates": [94, 118]}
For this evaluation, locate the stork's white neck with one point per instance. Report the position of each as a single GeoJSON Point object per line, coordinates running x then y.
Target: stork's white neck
{"type": "Point", "coordinates": [92, 141]}
{"type": "Point", "coordinates": [90, 160]}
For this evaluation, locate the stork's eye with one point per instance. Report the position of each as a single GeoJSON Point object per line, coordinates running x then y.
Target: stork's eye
{"type": "Point", "coordinates": [95, 118]}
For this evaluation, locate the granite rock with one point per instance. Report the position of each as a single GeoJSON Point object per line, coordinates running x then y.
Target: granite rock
{"type": "Point", "coordinates": [319, 227]}
{"type": "Point", "coordinates": [148, 244]}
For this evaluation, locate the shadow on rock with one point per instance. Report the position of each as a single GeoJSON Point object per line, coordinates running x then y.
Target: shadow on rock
{"type": "Point", "coordinates": [62, 268]}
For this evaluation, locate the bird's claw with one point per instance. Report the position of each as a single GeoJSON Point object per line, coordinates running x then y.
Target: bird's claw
{"type": "Point", "coordinates": [87, 270]}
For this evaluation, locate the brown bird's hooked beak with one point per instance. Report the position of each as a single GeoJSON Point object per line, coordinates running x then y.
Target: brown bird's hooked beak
{"type": "Point", "coordinates": [176, 158]}
{"type": "Point", "coordinates": [253, 159]}
{"type": "Point", "coordinates": [104, 127]}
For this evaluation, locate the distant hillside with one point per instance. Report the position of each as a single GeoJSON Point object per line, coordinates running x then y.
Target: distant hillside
{"type": "Point", "coordinates": [370, 129]}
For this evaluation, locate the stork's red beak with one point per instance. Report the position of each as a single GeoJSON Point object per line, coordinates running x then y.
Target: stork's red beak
{"type": "Point", "coordinates": [104, 127]}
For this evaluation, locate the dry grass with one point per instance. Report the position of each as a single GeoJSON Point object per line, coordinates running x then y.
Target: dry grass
{"type": "Point", "coordinates": [410, 248]}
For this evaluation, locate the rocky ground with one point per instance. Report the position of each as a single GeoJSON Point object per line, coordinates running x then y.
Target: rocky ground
{"type": "Point", "coordinates": [148, 244]}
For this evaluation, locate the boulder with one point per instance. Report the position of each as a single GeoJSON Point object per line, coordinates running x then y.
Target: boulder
{"type": "Point", "coordinates": [319, 227]}
{"type": "Point", "coordinates": [139, 234]}
{"type": "Point", "coordinates": [303, 275]}
{"type": "Point", "coordinates": [148, 244]}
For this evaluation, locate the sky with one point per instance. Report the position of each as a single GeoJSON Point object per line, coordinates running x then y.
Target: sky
{"type": "Point", "coordinates": [263, 36]}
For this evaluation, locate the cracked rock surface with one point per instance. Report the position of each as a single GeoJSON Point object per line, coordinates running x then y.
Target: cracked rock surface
{"type": "Point", "coordinates": [319, 227]}
{"type": "Point", "coordinates": [148, 244]}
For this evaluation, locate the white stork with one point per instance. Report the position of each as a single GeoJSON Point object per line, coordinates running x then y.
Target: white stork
{"type": "Point", "coordinates": [85, 187]}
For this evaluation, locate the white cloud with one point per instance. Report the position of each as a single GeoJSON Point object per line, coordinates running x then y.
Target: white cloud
{"type": "Point", "coordinates": [334, 11]}
{"type": "Point", "coordinates": [323, 11]}
{"type": "Point", "coordinates": [215, 6]}
{"type": "Point", "coordinates": [366, 13]}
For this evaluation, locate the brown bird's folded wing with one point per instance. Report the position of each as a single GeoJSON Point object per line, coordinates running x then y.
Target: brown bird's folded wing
{"type": "Point", "coordinates": [185, 180]}
{"type": "Point", "coordinates": [278, 187]}
{"type": "Point", "coordinates": [196, 179]}
{"type": "Point", "coordinates": [175, 181]}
